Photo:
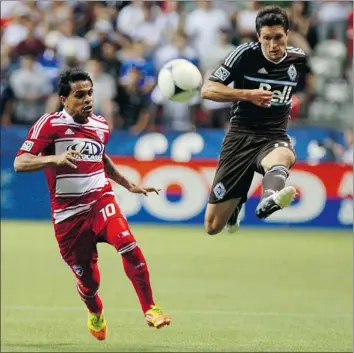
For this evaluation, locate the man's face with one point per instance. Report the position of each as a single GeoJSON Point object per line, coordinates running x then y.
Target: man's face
{"type": "Point", "coordinates": [274, 41]}
{"type": "Point", "coordinates": [79, 103]}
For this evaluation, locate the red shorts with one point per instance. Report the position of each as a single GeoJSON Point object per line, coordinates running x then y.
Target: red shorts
{"type": "Point", "coordinates": [78, 236]}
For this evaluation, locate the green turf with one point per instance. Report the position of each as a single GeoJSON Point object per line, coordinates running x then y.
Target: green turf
{"type": "Point", "coordinates": [259, 290]}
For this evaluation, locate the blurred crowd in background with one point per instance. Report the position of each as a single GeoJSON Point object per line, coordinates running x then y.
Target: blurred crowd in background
{"type": "Point", "coordinates": [123, 44]}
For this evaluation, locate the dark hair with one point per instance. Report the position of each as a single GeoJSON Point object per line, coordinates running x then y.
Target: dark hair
{"type": "Point", "coordinates": [272, 16]}
{"type": "Point", "coordinates": [68, 77]}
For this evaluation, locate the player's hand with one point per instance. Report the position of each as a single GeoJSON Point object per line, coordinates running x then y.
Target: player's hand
{"type": "Point", "coordinates": [260, 97]}
{"type": "Point", "coordinates": [144, 190]}
{"type": "Point", "coordinates": [68, 158]}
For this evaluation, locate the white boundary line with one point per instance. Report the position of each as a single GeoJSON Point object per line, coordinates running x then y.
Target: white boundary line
{"type": "Point", "coordinates": [177, 311]}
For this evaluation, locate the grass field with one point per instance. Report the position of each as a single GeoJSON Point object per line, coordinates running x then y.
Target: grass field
{"type": "Point", "coordinates": [259, 291]}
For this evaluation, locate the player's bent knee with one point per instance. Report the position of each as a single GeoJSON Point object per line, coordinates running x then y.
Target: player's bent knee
{"type": "Point", "coordinates": [286, 159]}
{"type": "Point", "coordinates": [279, 156]}
{"type": "Point", "coordinates": [88, 289]}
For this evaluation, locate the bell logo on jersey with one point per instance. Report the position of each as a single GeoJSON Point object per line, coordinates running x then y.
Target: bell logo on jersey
{"type": "Point", "coordinates": [91, 151]}
{"type": "Point", "coordinates": [278, 97]}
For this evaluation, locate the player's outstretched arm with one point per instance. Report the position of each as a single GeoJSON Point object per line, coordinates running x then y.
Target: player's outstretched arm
{"type": "Point", "coordinates": [218, 92]}
{"type": "Point", "coordinates": [28, 162]}
{"type": "Point", "coordinates": [120, 179]}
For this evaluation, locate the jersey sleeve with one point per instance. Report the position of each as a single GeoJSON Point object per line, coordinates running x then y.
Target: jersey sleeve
{"type": "Point", "coordinates": [306, 67]}
{"type": "Point", "coordinates": [231, 69]}
{"type": "Point", "coordinates": [39, 137]}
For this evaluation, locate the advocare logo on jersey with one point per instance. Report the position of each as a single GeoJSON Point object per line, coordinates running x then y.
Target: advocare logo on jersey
{"type": "Point", "coordinates": [279, 97]}
{"type": "Point", "coordinates": [91, 151]}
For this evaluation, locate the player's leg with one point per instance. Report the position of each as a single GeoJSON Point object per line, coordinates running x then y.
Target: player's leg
{"type": "Point", "coordinates": [117, 233]}
{"type": "Point", "coordinates": [233, 224]}
{"type": "Point", "coordinates": [221, 214]}
{"type": "Point", "coordinates": [275, 166]}
{"type": "Point", "coordinates": [80, 253]}
{"type": "Point", "coordinates": [230, 186]}
{"type": "Point", "coordinates": [87, 287]}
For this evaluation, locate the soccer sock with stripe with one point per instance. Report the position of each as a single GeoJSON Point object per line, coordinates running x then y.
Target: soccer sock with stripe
{"type": "Point", "coordinates": [93, 301]}
{"type": "Point", "coordinates": [87, 288]}
{"type": "Point", "coordinates": [274, 180]}
{"type": "Point", "coordinates": [137, 271]}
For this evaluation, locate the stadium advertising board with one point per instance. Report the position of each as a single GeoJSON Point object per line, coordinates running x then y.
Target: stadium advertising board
{"type": "Point", "coordinates": [185, 176]}
{"type": "Point", "coordinates": [203, 143]}
{"type": "Point", "coordinates": [325, 194]}
{"type": "Point", "coordinates": [324, 200]}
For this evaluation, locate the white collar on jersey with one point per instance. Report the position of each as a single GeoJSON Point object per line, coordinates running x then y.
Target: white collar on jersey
{"type": "Point", "coordinates": [67, 115]}
{"type": "Point", "coordinates": [70, 118]}
{"type": "Point", "coordinates": [275, 62]}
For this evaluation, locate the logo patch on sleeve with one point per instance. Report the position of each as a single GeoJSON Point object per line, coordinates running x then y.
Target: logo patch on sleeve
{"type": "Point", "coordinates": [27, 146]}
{"type": "Point", "coordinates": [221, 73]}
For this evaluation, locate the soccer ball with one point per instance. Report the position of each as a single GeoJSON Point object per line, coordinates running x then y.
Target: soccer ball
{"type": "Point", "coordinates": [179, 80]}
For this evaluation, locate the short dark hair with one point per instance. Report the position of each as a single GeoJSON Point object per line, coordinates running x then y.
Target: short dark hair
{"type": "Point", "coordinates": [70, 76]}
{"type": "Point", "coordinates": [272, 16]}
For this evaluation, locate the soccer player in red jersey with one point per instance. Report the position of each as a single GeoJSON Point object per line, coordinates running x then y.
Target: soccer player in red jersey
{"type": "Point", "coordinates": [70, 147]}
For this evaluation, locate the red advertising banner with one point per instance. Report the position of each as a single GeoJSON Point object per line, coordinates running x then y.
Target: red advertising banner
{"type": "Point", "coordinates": [325, 192]}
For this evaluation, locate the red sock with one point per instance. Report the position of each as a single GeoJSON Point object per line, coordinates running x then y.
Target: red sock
{"type": "Point", "coordinates": [136, 269]}
{"type": "Point", "coordinates": [92, 300]}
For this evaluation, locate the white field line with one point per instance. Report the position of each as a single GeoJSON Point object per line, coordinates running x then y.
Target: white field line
{"type": "Point", "coordinates": [207, 312]}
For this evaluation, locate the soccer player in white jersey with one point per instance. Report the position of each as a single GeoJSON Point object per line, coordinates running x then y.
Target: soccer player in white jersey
{"type": "Point", "coordinates": [71, 148]}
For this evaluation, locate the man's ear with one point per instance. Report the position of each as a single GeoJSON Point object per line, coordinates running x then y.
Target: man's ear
{"type": "Point", "coordinates": [63, 100]}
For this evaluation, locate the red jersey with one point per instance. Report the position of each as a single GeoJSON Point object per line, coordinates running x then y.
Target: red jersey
{"type": "Point", "coordinates": [72, 191]}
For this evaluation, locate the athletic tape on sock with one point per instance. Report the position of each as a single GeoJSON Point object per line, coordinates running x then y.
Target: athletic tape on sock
{"type": "Point", "coordinates": [85, 295]}
{"type": "Point", "coordinates": [279, 168]}
{"type": "Point", "coordinates": [127, 248]}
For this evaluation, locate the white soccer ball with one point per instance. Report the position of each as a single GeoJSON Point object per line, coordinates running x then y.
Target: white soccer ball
{"type": "Point", "coordinates": [179, 80]}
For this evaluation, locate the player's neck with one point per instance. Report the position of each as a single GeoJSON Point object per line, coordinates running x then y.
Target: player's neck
{"type": "Point", "coordinates": [273, 61]}
{"type": "Point", "coordinates": [78, 119]}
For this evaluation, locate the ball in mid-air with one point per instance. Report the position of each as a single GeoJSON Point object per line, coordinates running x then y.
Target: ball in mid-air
{"type": "Point", "coordinates": [179, 80]}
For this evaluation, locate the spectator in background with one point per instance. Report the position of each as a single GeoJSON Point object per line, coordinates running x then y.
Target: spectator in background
{"type": "Point", "coordinates": [174, 116]}
{"type": "Point", "coordinates": [134, 57]}
{"type": "Point", "coordinates": [17, 29]}
{"type": "Point", "coordinates": [245, 20]}
{"type": "Point", "coordinates": [109, 58]}
{"type": "Point", "coordinates": [343, 153]}
{"type": "Point", "coordinates": [102, 31]}
{"type": "Point", "coordinates": [71, 47]}
{"type": "Point", "coordinates": [169, 20]}
{"type": "Point", "coordinates": [130, 17]}
{"type": "Point", "coordinates": [50, 61]}
{"type": "Point", "coordinates": [350, 37]}
{"type": "Point", "coordinates": [178, 48]}
{"type": "Point", "coordinates": [6, 94]}
{"type": "Point", "coordinates": [299, 26]}
{"type": "Point", "coordinates": [104, 91]}
{"type": "Point", "coordinates": [31, 89]}
{"type": "Point", "coordinates": [134, 104]}
{"type": "Point", "coordinates": [56, 11]}
{"type": "Point", "coordinates": [32, 43]}
{"type": "Point", "coordinates": [215, 53]}
{"type": "Point", "coordinates": [202, 26]}
{"type": "Point", "coordinates": [147, 30]}
{"type": "Point", "coordinates": [332, 20]}
{"type": "Point", "coordinates": [51, 66]}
